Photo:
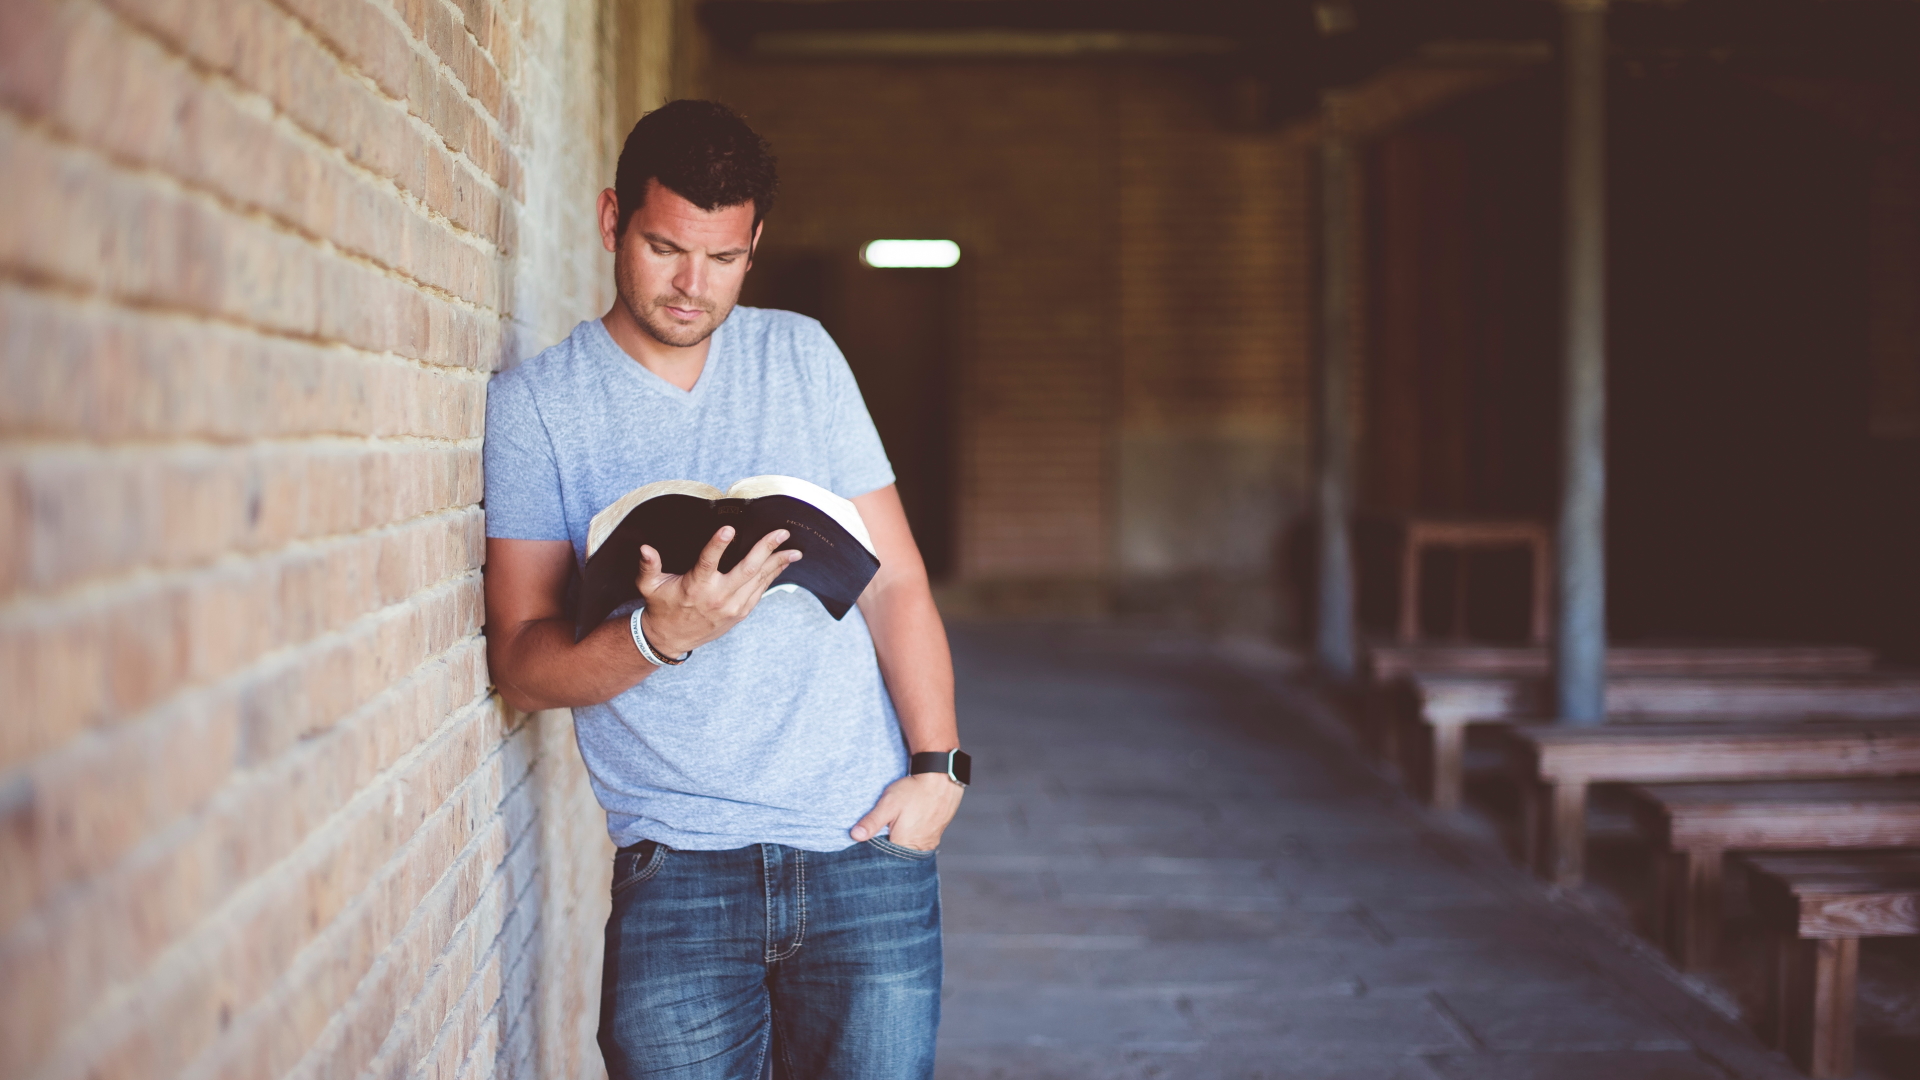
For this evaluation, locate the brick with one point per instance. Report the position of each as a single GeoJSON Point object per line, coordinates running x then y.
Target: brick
{"type": "Point", "coordinates": [91, 805]}
{"type": "Point", "coordinates": [256, 810]}
{"type": "Point", "coordinates": [401, 1001]}
{"type": "Point", "coordinates": [466, 906]}
{"type": "Point", "coordinates": [440, 29]}
{"type": "Point", "coordinates": [101, 512]}
{"type": "Point", "coordinates": [364, 34]}
{"type": "Point", "coordinates": [269, 53]}
{"type": "Point", "coordinates": [94, 372]}
{"type": "Point", "coordinates": [33, 50]}
{"type": "Point", "coordinates": [376, 858]}
{"type": "Point", "coordinates": [16, 526]}
{"type": "Point", "coordinates": [144, 243]}
{"type": "Point", "coordinates": [201, 627]}
{"type": "Point", "coordinates": [443, 1019]}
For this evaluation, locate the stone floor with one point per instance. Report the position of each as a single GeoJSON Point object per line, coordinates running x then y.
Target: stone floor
{"type": "Point", "coordinates": [1171, 866]}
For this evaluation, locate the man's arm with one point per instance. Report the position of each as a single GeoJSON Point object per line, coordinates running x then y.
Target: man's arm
{"type": "Point", "coordinates": [911, 643]}
{"type": "Point", "coordinates": [536, 664]}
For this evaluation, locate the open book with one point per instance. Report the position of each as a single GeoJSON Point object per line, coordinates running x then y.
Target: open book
{"type": "Point", "coordinates": [678, 517]}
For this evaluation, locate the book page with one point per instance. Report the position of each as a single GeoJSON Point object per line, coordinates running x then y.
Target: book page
{"type": "Point", "coordinates": [607, 520]}
{"type": "Point", "coordinates": [840, 510]}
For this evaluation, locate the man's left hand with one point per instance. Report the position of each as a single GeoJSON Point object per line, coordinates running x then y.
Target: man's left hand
{"type": "Point", "coordinates": [913, 811]}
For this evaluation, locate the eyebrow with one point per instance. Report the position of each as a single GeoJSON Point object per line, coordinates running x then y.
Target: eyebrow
{"type": "Point", "coordinates": [654, 238]}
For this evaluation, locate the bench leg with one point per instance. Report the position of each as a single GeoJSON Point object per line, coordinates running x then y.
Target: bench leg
{"type": "Point", "coordinates": [1691, 897]}
{"type": "Point", "coordinates": [1815, 994]}
{"type": "Point", "coordinates": [1556, 831]}
{"type": "Point", "coordinates": [1449, 765]}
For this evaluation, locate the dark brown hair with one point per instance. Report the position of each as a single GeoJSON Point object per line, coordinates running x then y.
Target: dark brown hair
{"type": "Point", "coordinates": [701, 151]}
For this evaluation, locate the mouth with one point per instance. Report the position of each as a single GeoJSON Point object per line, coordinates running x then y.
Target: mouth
{"type": "Point", "coordinates": [684, 314]}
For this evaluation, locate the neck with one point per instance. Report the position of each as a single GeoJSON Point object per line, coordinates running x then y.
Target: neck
{"type": "Point", "coordinates": [679, 366]}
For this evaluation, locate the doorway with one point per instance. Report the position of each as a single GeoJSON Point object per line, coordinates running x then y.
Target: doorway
{"type": "Point", "coordinates": [898, 331]}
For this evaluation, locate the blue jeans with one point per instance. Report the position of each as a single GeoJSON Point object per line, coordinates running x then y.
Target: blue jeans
{"type": "Point", "coordinates": [802, 965]}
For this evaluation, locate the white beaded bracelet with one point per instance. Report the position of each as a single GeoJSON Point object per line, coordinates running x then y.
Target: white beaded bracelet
{"type": "Point", "coordinates": [646, 648]}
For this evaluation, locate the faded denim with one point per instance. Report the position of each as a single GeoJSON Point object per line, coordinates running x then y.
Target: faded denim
{"type": "Point", "coordinates": [770, 960]}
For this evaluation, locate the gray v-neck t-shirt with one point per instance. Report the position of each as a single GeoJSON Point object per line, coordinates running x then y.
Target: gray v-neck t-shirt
{"type": "Point", "coordinates": [781, 731]}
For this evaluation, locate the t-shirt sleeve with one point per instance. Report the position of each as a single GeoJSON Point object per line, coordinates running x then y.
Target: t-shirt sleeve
{"type": "Point", "coordinates": [858, 460]}
{"type": "Point", "coordinates": [523, 480]}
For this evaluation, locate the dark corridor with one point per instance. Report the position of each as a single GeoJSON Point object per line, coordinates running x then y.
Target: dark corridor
{"type": "Point", "coordinates": [1746, 499]}
{"type": "Point", "coordinates": [897, 329]}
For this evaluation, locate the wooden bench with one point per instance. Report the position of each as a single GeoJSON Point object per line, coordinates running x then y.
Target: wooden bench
{"type": "Point", "coordinates": [1697, 824]}
{"type": "Point", "coordinates": [1816, 908]}
{"type": "Point", "coordinates": [1448, 704]}
{"type": "Point", "coordinates": [1555, 764]}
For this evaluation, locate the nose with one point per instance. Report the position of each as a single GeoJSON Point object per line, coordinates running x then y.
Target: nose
{"type": "Point", "coordinates": [690, 277]}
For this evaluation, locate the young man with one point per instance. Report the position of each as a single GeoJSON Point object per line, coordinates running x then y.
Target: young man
{"type": "Point", "coordinates": [774, 896]}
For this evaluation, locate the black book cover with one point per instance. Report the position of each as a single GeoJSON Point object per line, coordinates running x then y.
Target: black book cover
{"type": "Point", "coordinates": [678, 518]}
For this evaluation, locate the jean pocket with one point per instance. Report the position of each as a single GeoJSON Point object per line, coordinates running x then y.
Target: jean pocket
{"type": "Point", "coordinates": [899, 851]}
{"type": "Point", "coordinates": [635, 864]}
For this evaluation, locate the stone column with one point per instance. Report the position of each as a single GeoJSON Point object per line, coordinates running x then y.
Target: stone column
{"type": "Point", "coordinates": [1580, 639]}
{"type": "Point", "coordinates": [1336, 645]}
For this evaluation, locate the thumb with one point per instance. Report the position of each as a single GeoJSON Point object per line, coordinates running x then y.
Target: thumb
{"type": "Point", "coordinates": [882, 816]}
{"type": "Point", "coordinates": [649, 568]}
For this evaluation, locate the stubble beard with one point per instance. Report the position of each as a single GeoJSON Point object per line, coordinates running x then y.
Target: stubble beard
{"type": "Point", "coordinates": [661, 326]}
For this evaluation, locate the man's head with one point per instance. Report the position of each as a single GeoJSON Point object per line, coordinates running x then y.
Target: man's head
{"type": "Point", "coordinates": [693, 184]}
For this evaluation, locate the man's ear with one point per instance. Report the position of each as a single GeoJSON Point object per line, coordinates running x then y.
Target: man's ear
{"type": "Point", "coordinates": [609, 220]}
{"type": "Point", "coordinates": [753, 245]}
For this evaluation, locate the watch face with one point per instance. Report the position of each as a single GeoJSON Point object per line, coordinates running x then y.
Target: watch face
{"type": "Point", "coordinates": [962, 767]}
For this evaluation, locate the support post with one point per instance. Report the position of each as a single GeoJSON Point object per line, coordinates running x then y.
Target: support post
{"type": "Point", "coordinates": [1580, 641]}
{"type": "Point", "coordinates": [1336, 646]}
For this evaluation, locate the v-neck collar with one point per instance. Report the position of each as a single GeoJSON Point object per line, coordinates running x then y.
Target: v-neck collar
{"type": "Point", "coordinates": [620, 357]}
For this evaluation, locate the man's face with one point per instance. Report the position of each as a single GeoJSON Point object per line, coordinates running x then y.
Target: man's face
{"type": "Point", "coordinates": [679, 268]}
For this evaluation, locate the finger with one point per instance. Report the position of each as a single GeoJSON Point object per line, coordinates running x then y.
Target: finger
{"type": "Point", "coordinates": [754, 561]}
{"type": "Point", "coordinates": [755, 586]}
{"type": "Point", "coordinates": [775, 566]}
{"type": "Point", "coordinates": [709, 561]}
{"type": "Point", "coordinates": [882, 816]}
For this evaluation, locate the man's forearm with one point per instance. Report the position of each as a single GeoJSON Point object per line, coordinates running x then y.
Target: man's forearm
{"type": "Point", "coordinates": [540, 666]}
{"type": "Point", "coordinates": [911, 643]}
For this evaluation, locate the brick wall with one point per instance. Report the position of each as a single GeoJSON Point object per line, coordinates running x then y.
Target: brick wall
{"type": "Point", "coordinates": [1215, 312]}
{"type": "Point", "coordinates": [259, 814]}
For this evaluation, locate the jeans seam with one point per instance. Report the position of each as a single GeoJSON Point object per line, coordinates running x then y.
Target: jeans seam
{"type": "Point", "coordinates": [800, 934]}
{"type": "Point", "coordinates": [901, 851]}
{"type": "Point", "coordinates": [777, 1036]}
{"type": "Point", "coordinates": [644, 873]}
{"type": "Point", "coordinates": [766, 879]}
{"type": "Point", "coordinates": [766, 1045]}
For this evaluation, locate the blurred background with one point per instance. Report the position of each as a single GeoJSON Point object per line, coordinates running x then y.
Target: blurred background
{"type": "Point", "coordinates": [1239, 284]}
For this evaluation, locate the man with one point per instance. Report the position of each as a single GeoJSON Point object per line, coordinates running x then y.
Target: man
{"type": "Point", "coordinates": [775, 903]}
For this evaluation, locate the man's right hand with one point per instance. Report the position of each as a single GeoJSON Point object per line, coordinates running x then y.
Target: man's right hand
{"type": "Point", "coordinates": [685, 611]}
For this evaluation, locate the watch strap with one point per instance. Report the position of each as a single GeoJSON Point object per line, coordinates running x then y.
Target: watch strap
{"type": "Point", "coordinates": [956, 764]}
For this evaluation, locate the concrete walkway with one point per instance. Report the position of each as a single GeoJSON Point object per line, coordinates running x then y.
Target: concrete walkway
{"type": "Point", "coordinates": [1169, 868]}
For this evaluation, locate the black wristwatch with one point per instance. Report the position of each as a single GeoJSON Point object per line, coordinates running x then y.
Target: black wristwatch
{"type": "Point", "coordinates": [955, 763]}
